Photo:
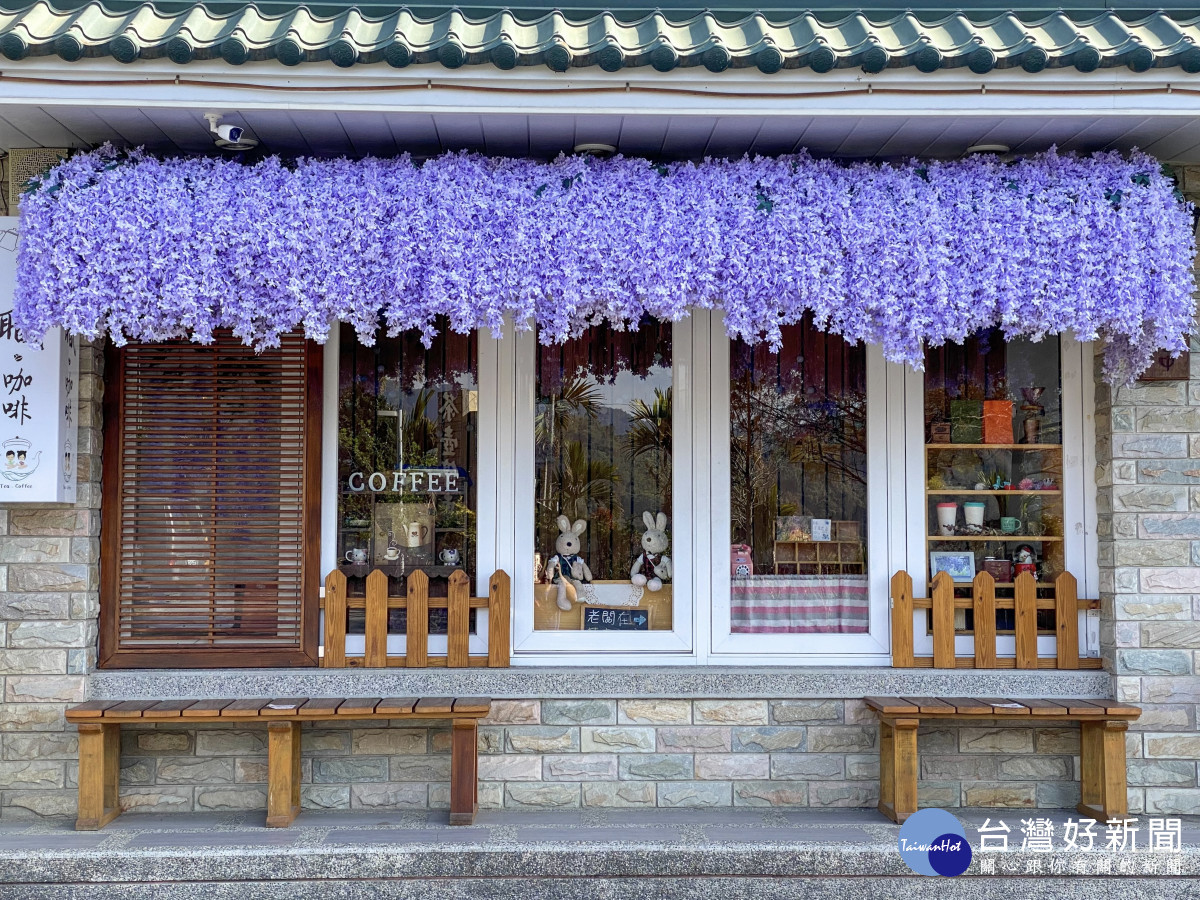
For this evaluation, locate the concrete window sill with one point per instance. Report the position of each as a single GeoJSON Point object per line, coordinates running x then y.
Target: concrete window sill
{"type": "Point", "coordinates": [566, 683]}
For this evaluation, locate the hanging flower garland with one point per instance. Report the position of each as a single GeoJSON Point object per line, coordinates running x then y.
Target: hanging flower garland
{"type": "Point", "coordinates": [903, 256]}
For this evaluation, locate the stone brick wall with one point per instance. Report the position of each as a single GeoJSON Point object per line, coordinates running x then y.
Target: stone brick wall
{"type": "Point", "coordinates": [539, 754]}
{"type": "Point", "coordinates": [557, 753]}
{"type": "Point", "coordinates": [1148, 478]}
{"type": "Point", "coordinates": [48, 609]}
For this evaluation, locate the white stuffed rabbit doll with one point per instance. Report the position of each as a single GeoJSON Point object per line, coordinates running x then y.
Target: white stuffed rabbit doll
{"type": "Point", "coordinates": [566, 567]}
{"type": "Point", "coordinates": [653, 566]}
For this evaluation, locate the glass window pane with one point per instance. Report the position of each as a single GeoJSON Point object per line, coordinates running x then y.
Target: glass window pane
{"type": "Point", "coordinates": [993, 422]}
{"type": "Point", "coordinates": [407, 450]}
{"type": "Point", "coordinates": [798, 489]}
{"type": "Point", "coordinates": [603, 481]}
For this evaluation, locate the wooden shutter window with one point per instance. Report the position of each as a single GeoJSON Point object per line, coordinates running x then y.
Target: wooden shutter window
{"type": "Point", "coordinates": [211, 507]}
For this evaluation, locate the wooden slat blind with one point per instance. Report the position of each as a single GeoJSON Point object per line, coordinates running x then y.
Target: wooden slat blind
{"type": "Point", "coordinates": [211, 505]}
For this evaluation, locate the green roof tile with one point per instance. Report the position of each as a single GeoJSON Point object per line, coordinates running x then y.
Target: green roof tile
{"type": "Point", "coordinates": [661, 41]}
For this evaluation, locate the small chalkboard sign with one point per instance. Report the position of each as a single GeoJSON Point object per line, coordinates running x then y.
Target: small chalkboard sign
{"type": "Point", "coordinates": [597, 619]}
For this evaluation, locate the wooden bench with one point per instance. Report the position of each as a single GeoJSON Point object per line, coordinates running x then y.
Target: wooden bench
{"type": "Point", "coordinates": [1101, 758]}
{"type": "Point", "coordinates": [99, 723]}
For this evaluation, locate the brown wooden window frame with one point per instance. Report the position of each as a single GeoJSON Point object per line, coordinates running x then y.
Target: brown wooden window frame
{"type": "Point", "coordinates": [111, 653]}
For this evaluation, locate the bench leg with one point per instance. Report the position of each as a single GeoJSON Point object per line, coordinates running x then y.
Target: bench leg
{"type": "Point", "coordinates": [464, 772]}
{"type": "Point", "coordinates": [898, 768]}
{"type": "Point", "coordinates": [283, 773]}
{"type": "Point", "coordinates": [1102, 778]}
{"type": "Point", "coordinates": [99, 775]}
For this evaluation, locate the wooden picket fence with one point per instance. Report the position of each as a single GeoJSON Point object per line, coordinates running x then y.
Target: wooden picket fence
{"type": "Point", "coordinates": [984, 602]}
{"type": "Point", "coordinates": [458, 605]}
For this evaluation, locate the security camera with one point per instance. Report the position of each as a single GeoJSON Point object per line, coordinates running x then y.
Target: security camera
{"type": "Point", "coordinates": [229, 137]}
{"type": "Point", "coordinates": [231, 133]}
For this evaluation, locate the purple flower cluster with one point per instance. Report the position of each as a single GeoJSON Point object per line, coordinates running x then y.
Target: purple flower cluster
{"type": "Point", "coordinates": [903, 256]}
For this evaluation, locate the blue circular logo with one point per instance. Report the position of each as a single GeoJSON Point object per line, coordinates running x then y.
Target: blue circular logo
{"type": "Point", "coordinates": [933, 842]}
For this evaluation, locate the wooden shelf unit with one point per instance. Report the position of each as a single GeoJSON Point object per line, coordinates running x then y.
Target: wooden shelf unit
{"type": "Point", "coordinates": [820, 557]}
{"type": "Point", "coordinates": [1017, 466]}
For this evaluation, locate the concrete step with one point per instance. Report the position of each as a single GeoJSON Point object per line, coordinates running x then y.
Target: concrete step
{"type": "Point", "coordinates": [726, 854]}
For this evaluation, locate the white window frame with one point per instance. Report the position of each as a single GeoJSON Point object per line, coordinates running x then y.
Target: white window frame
{"type": "Point", "coordinates": [700, 530]}
{"type": "Point", "coordinates": [884, 533]}
{"type": "Point", "coordinates": [531, 647]}
{"type": "Point", "coordinates": [487, 468]}
{"type": "Point", "coordinates": [1079, 498]}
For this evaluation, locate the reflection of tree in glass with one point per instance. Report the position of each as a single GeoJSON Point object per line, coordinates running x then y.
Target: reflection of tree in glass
{"type": "Point", "coordinates": [579, 480]}
{"type": "Point", "coordinates": [584, 476]}
{"type": "Point", "coordinates": [554, 416]}
{"type": "Point", "coordinates": [367, 441]}
{"type": "Point", "coordinates": [649, 435]}
{"type": "Point", "coordinates": [779, 434]}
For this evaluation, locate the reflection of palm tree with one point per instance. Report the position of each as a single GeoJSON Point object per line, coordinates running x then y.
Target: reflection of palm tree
{"type": "Point", "coordinates": [577, 396]}
{"type": "Point", "coordinates": [650, 425]}
{"type": "Point", "coordinates": [650, 434]}
{"type": "Point", "coordinates": [580, 480]}
{"type": "Point", "coordinates": [420, 438]}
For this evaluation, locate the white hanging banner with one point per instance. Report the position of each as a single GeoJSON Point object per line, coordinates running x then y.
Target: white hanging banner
{"type": "Point", "coordinates": [39, 405]}
{"type": "Point", "coordinates": [39, 400]}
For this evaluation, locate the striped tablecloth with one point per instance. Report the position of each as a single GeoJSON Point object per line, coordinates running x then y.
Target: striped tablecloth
{"type": "Point", "coordinates": [800, 604]}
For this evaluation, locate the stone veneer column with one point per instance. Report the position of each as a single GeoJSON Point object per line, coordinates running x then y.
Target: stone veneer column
{"type": "Point", "coordinates": [1148, 479]}
{"type": "Point", "coordinates": [49, 597]}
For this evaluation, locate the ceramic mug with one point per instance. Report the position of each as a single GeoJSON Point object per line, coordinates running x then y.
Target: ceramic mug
{"type": "Point", "coordinates": [973, 513]}
{"type": "Point", "coordinates": [947, 514]}
{"type": "Point", "coordinates": [357, 556]}
{"type": "Point", "coordinates": [1010, 524]}
{"type": "Point", "coordinates": [449, 556]}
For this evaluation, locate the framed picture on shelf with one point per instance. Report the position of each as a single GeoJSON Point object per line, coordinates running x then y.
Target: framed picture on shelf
{"type": "Point", "coordinates": [794, 528]}
{"type": "Point", "coordinates": [958, 564]}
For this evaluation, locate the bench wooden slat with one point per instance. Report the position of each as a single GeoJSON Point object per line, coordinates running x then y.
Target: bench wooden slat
{"type": "Point", "coordinates": [1047, 708]}
{"type": "Point", "coordinates": [290, 704]}
{"type": "Point", "coordinates": [1108, 707]}
{"type": "Point", "coordinates": [968, 706]}
{"type": "Point", "coordinates": [167, 709]}
{"type": "Point", "coordinates": [473, 705]}
{"type": "Point", "coordinates": [319, 708]}
{"type": "Point", "coordinates": [931, 704]}
{"type": "Point", "coordinates": [890, 706]}
{"type": "Point", "coordinates": [396, 706]}
{"type": "Point", "coordinates": [243, 709]}
{"type": "Point", "coordinates": [434, 706]}
{"type": "Point", "coordinates": [205, 709]}
{"type": "Point", "coordinates": [92, 709]}
{"type": "Point", "coordinates": [130, 709]}
{"type": "Point", "coordinates": [1004, 707]}
{"type": "Point", "coordinates": [358, 706]}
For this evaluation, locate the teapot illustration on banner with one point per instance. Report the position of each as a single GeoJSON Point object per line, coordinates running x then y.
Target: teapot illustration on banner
{"type": "Point", "coordinates": [414, 534]}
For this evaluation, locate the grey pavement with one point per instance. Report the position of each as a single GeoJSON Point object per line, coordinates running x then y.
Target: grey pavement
{"type": "Point", "coordinates": [659, 853]}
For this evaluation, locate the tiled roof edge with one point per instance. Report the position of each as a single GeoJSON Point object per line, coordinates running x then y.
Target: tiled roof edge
{"type": "Point", "coordinates": [401, 38]}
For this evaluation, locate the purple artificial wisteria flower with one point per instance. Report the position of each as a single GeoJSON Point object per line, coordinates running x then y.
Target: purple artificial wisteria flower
{"type": "Point", "coordinates": [905, 256]}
